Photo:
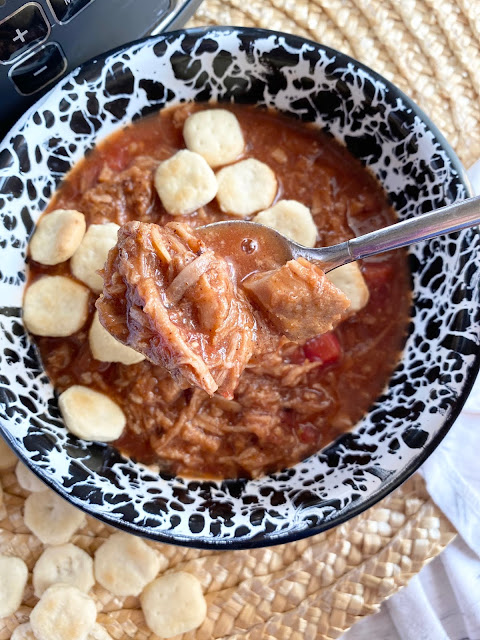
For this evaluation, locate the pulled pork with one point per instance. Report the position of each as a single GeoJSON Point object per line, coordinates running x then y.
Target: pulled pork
{"type": "Point", "coordinates": [171, 298]}
{"type": "Point", "coordinates": [118, 194]}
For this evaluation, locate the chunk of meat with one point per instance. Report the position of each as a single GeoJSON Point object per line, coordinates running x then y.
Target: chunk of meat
{"type": "Point", "coordinates": [298, 299]}
{"type": "Point", "coordinates": [169, 297]}
{"type": "Point", "coordinates": [120, 196]}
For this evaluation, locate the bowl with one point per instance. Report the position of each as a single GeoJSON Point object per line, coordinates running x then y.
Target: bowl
{"type": "Point", "coordinates": [418, 169]}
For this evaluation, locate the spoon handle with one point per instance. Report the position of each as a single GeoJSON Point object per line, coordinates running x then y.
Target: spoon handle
{"type": "Point", "coordinates": [429, 225]}
{"type": "Point", "coordinates": [453, 217]}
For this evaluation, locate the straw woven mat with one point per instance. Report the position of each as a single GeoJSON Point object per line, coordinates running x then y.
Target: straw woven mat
{"type": "Point", "coordinates": [317, 588]}
{"type": "Point", "coordinates": [313, 589]}
{"type": "Point", "coordinates": [428, 48]}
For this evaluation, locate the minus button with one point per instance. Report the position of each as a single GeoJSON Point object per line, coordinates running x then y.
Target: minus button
{"type": "Point", "coordinates": [41, 70]}
{"type": "Point", "coordinates": [38, 70]}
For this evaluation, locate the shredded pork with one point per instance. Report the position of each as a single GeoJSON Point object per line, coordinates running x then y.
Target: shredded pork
{"type": "Point", "coordinates": [117, 195]}
{"type": "Point", "coordinates": [169, 297]}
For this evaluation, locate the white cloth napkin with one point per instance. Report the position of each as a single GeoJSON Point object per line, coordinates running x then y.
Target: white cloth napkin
{"type": "Point", "coordinates": [443, 601]}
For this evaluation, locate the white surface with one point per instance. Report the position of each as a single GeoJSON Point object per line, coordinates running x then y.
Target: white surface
{"type": "Point", "coordinates": [443, 601]}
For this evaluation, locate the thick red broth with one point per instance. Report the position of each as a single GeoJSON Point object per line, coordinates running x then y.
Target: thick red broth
{"type": "Point", "coordinates": [289, 403]}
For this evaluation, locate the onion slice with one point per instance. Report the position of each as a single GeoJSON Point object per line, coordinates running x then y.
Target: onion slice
{"type": "Point", "coordinates": [188, 276]}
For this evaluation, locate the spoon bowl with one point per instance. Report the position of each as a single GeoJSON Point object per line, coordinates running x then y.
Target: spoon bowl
{"type": "Point", "coordinates": [255, 247]}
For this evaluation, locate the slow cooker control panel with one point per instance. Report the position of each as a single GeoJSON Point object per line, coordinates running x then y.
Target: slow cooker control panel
{"type": "Point", "coordinates": [41, 41]}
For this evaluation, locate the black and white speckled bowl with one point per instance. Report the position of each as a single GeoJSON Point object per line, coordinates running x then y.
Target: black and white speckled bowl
{"type": "Point", "coordinates": [393, 138]}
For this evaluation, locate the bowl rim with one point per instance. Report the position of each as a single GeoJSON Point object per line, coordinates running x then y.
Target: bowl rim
{"type": "Point", "coordinates": [389, 485]}
{"type": "Point", "coordinates": [258, 31]}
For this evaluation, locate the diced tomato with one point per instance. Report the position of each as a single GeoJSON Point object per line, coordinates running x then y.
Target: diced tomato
{"type": "Point", "coordinates": [119, 161]}
{"type": "Point", "coordinates": [325, 348]}
{"type": "Point", "coordinates": [296, 356]}
{"type": "Point", "coordinates": [377, 274]}
{"type": "Point", "coordinates": [307, 434]}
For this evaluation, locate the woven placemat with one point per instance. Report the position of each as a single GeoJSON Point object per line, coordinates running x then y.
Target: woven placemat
{"type": "Point", "coordinates": [310, 589]}
{"type": "Point", "coordinates": [428, 48]}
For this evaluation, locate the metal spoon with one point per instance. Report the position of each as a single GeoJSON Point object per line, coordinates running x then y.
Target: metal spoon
{"type": "Point", "coordinates": [454, 217]}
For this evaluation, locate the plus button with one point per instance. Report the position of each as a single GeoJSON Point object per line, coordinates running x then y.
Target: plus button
{"type": "Point", "coordinates": [20, 36]}
{"type": "Point", "coordinates": [22, 30]}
